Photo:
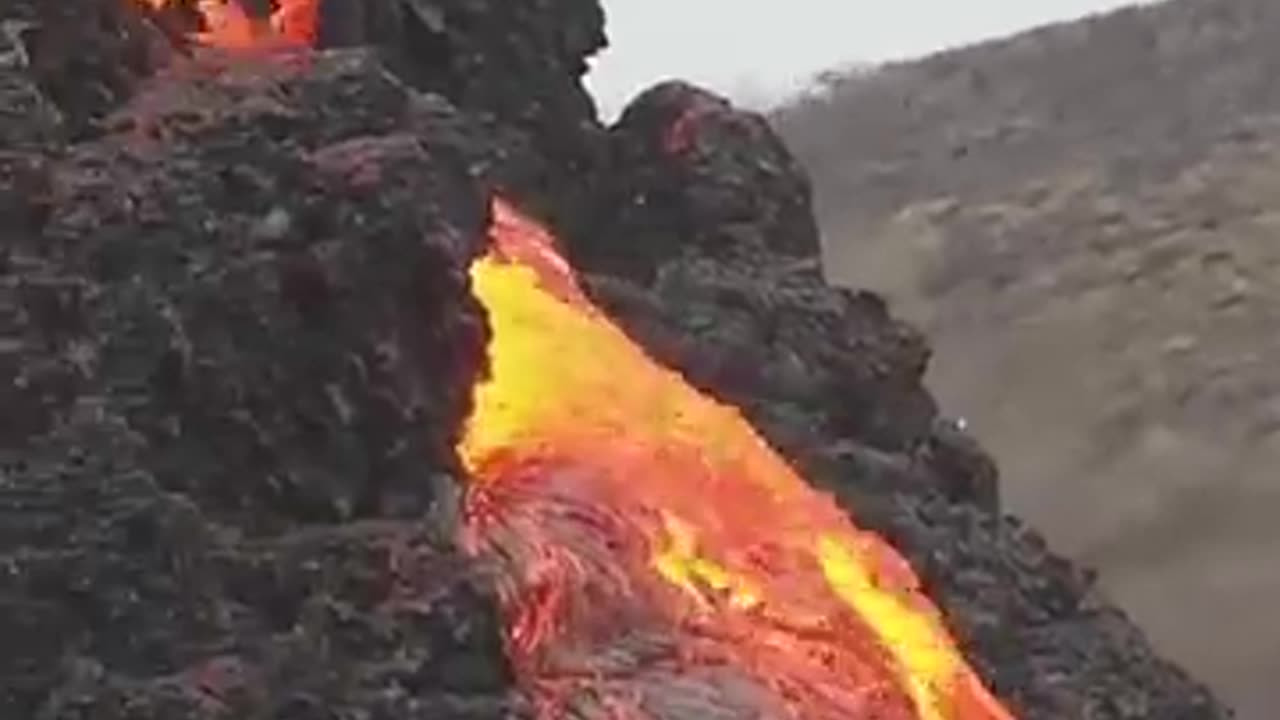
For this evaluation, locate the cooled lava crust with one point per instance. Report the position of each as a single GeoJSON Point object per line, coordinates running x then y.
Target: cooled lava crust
{"type": "Point", "coordinates": [239, 344]}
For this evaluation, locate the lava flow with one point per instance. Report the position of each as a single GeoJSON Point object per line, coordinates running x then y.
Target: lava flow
{"type": "Point", "coordinates": [657, 559]}
{"type": "Point", "coordinates": [229, 26]}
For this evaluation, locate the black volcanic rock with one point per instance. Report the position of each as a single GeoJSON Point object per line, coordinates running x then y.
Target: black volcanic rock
{"type": "Point", "coordinates": [514, 67]}
{"type": "Point", "coordinates": [238, 343]}
{"type": "Point", "coordinates": [683, 171]}
{"type": "Point", "coordinates": [85, 58]}
{"type": "Point", "coordinates": [366, 193]}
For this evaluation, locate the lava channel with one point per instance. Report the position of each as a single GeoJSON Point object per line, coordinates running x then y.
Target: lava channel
{"type": "Point", "coordinates": [656, 558]}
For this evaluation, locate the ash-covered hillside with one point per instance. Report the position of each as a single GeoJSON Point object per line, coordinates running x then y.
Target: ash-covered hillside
{"type": "Point", "coordinates": [238, 344]}
{"type": "Point", "coordinates": [1083, 220]}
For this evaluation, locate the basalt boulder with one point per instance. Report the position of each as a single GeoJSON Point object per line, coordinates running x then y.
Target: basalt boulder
{"type": "Point", "coordinates": [238, 343]}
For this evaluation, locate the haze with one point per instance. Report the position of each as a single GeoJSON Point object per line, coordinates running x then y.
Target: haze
{"type": "Point", "coordinates": [754, 50]}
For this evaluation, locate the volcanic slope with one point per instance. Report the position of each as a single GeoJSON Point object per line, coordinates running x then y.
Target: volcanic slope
{"type": "Point", "coordinates": [240, 341]}
{"type": "Point", "coordinates": [1083, 219]}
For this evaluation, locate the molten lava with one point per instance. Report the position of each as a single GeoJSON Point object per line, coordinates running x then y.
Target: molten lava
{"type": "Point", "coordinates": [657, 558]}
{"type": "Point", "coordinates": [227, 25]}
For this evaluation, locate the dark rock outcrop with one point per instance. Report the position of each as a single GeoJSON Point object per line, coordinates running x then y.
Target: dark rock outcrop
{"type": "Point", "coordinates": [740, 192]}
{"type": "Point", "coordinates": [82, 59]}
{"type": "Point", "coordinates": [238, 343]}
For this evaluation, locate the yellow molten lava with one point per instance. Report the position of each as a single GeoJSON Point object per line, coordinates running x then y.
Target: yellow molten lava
{"type": "Point", "coordinates": [742, 538]}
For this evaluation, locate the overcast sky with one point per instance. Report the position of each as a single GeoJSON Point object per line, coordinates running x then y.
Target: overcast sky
{"type": "Point", "coordinates": [768, 46]}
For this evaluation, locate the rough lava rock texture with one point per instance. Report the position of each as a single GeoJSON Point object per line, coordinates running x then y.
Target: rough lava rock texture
{"type": "Point", "coordinates": [712, 207]}
{"type": "Point", "coordinates": [515, 68]}
{"type": "Point", "coordinates": [237, 344]}
{"type": "Point", "coordinates": [65, 65]}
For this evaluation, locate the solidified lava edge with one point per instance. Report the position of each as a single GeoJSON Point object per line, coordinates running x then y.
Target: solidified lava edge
{"type": "Point", "coordinates": [241, 339]}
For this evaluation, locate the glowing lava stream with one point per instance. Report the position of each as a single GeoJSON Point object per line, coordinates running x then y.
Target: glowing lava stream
{"type": "Point", "coordinates": [293, 23]}
{"type": "Point", "coordinates": [617, 493]}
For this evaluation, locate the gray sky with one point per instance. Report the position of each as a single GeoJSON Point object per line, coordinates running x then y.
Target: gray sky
{"type": "Point", "coordinates": [770, 46]}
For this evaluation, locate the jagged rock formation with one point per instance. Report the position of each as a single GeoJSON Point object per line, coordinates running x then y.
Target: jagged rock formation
{"type": "Point", "coordinates": [1083, 219]}
{"type": "Point", "coordinates": [66, 64]}
{"type": "Point", "coordinates": [238, 343]}
{"type": "Point", "coordinates": [235, 368]}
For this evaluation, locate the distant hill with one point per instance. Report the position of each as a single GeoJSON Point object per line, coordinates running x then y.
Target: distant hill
{"type": "Point", "coordinates": [1086, 220]}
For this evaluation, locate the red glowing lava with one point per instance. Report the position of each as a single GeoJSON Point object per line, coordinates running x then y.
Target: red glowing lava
{"type": "Point", "coordinates": [227, 25]}
{"type": "Point", "coordinates": [625, 507]}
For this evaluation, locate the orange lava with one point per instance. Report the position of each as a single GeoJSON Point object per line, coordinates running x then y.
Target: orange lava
{"type": "Point", "coordinates": [293, 23]}
{"type": "Point", "coordinates": [646, 538]}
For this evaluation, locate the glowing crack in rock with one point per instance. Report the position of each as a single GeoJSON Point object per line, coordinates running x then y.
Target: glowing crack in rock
{"type": "Point", "coordinates": [622, 504]}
